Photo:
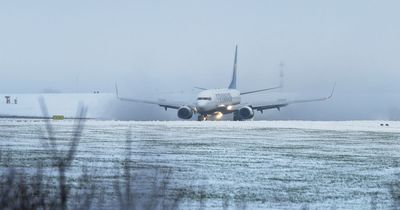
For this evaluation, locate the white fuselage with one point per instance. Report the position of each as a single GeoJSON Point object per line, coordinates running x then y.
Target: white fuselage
{"type": "Point", "coordinates": [217, 100]}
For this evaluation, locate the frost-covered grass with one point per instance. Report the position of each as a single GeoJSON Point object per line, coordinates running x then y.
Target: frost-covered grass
{"type": "Point", "coordinates": [256, 164]}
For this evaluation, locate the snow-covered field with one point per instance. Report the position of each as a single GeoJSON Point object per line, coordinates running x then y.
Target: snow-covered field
{"type": "Point", "coordinates": [267, 164]}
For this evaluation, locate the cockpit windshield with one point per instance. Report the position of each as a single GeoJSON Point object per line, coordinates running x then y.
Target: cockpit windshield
{"type": "Point", "coordinates": [204, 98]}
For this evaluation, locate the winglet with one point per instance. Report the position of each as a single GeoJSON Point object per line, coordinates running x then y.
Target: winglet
{"type": "Point", "coordinates": [116, 91]}
{"type": "Point", "coordinates": [333, 90]}
{"type": "Point", "coordinates": [233, 82]}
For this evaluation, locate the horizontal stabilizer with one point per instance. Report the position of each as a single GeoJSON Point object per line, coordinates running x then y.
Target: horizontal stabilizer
{"type": "Point", "coordinates": [200, 88]}
{"type": "Point", "coordinates": [256, 91]}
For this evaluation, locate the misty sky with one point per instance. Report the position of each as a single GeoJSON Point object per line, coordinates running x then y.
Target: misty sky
{"type": "Point", "coordinates": [156, 47]}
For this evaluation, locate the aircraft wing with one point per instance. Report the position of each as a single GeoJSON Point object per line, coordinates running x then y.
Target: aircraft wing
{"type": "Point", "coordinates": [283, 102]}
{"type": "Point", "coordinates": [162, 103]}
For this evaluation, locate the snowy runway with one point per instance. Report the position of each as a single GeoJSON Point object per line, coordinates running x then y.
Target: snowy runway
{"type": "Point", "coordinates": [269, 164]}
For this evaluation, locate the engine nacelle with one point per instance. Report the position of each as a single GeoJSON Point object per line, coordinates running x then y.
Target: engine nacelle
{"type": "Point", "coordinates": [246, 113]}
{"type": "Point", "coordinates": [185, 112]}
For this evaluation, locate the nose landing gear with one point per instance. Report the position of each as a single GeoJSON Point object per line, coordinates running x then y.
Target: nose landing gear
{"type": "Point", "coordinates": [202, 118]}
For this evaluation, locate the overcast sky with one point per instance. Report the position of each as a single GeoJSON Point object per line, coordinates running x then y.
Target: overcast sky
{"type": "Point", "coordinates": [158, 47]}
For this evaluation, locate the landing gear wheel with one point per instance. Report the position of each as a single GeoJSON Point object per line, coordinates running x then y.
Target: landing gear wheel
{"type": "Point", "coordinates": [236, 116]}
{"type": "Point", "coordinates": [201, 118]}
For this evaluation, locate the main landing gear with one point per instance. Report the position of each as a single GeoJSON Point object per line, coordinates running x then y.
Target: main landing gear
{"type": "Point", "coordinates": [236, 116]}
{"type": "Point", "coordinates": [202, 118]}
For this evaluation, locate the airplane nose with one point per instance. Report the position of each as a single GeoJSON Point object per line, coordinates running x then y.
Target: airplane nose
{"type": "Point", "coordinates": [201, 103]}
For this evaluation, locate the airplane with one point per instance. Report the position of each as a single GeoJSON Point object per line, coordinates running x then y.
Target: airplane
{"type": "Point", "coordinates": [214, 103]}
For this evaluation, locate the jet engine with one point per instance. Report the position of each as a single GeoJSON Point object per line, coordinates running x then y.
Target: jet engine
{"type": "Point", "coordinates": [185, 112]}
{"type": "Point", "coordinates": [246, 113]}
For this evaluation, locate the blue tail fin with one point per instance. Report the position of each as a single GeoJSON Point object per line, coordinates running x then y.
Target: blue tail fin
{"type": "Point", "coordinates": [233, 82]}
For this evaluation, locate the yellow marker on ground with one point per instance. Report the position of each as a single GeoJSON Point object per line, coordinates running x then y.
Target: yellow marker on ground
{"type": "Point", "coordinates": [58, 117]}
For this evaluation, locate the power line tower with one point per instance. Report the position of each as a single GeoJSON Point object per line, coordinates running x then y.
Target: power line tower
{"type": "Point", "coordinates": [281, 75]}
